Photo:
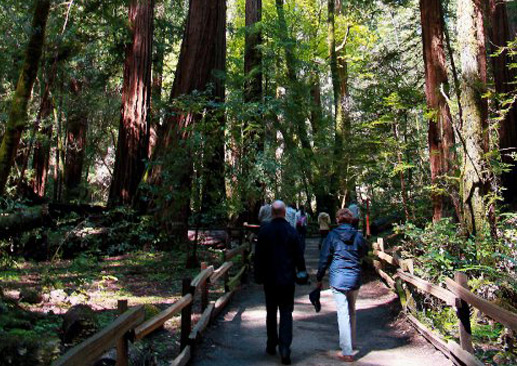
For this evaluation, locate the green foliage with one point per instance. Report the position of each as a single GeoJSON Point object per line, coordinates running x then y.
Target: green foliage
{"type": "Point", "coordinates": [442, 248]}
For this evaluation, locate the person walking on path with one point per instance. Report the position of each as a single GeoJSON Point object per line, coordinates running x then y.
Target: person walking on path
{"type": "Point", "coordinates": [324, 223]}
{"type": "Point", "coordinates": [301, 225]}
{"type": "Point", "coordinates": [342, 252]}
{"type": "Point", "coordinates": [290, 215]}
{"type": "Point", "coordinates": [264, 215]}
{"type": "Point", "coordinates": [278, 256]}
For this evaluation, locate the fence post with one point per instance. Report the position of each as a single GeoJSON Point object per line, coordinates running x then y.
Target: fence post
{"type": "Point", "coordinates": [463, 313]}
{"type": "Point", "coordinates": [122, 343]}
{"type": "Point", "coordinates": [204, 289]}
{"type": "Point", "coordinates": [402, 294]}
{"type": "Point", "coordinates": [186, 315]}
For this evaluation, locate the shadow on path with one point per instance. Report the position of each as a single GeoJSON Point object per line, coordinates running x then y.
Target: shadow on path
{"type": "Point", "coordinates": [238, 337]}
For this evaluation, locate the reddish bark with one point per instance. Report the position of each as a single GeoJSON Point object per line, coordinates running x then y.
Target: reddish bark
{"type": "Point", "coordinates": [499, 35]}
{"type": "Point", "coordinates": [133, 140]}
{"type": "Point", "coordinates": [201, 55]}
{"type": "Point", "coordinates": [440, 131]}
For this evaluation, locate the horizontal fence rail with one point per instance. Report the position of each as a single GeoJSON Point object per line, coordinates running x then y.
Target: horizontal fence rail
{"type": "Point", "coordinates": [131, 324]}
{"type": "Point", "coordinates": [457, 295]}
{"type": "Point", "coordinates": [158, 320]}
{"type": "Point", "coordinates": [94, 347]}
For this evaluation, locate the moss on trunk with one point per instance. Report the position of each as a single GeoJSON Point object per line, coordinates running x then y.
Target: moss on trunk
{"type": "Point", "coordinates": [17, 120]}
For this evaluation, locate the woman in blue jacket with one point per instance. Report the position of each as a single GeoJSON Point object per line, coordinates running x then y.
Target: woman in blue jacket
{"type": "Point", "coordinates": [341, 253]}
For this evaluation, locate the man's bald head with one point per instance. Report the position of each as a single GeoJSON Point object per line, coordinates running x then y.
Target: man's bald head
{"type": "Point", "coordinates": [278, 209]}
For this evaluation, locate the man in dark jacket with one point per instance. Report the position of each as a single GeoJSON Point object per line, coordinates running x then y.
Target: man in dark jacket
{"type": "Point", "coordinates": [342, 251]}
{"type": "Point", "coordinates": [278, 255]}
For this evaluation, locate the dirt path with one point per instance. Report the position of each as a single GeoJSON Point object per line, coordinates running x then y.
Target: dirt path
{"type": "Point", "coordinates": [238, 337]}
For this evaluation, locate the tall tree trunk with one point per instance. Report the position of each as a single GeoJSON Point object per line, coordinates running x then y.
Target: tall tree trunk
{"type": "Point", "coordinates": [339, 73]}
{"type": "Point", "coordinates": [41, 156]}
{"type": "Point", "coordinates": [322, 191]}
{"type": "Point", "coordinates": [77, 124]}
{"type": "Point", "coordinates": [133, 139]}
{"type": "Point", "coordinates": [214, 187]}
{"type": "Point", "coordinates": [157, 83]}
{"type": "Point", "coordinates": [474, 180]}
{"type": "Point", "coordinates": [440, 132]}
{"type": "Point", "coordinates": [199, 58]}
{"type": "Point", "coordinates": [254, 136]}
{"type": "Point", "coordinates": [17, 119]}
{"type": "Point", "coordinates": [499, 36]}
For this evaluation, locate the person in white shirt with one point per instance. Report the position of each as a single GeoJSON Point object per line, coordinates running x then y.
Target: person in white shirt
{"type": "Point", "coordinates": [290, 215]}
{"type": "Point", "coordinates": [301, 225]}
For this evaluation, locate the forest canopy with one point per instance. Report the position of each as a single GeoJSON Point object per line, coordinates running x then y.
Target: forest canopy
{"type": "Point", "coordinates": [198, 111]}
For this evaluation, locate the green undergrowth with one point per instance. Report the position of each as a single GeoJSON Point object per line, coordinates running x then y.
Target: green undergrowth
{"type": "Point", "coordinates": [438, 251]}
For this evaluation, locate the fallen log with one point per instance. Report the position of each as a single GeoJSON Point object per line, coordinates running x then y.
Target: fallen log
{"type": "Point", "coordinates": [24, 220]}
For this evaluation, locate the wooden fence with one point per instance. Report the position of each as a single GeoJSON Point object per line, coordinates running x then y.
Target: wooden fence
{"type": "Point", "coordinates": [130, 325]}
{"type": "Point", "coordinates": [456, 294]}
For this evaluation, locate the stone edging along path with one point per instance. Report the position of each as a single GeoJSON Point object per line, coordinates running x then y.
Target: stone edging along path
{"type": "Point", "coordinates": [238, 336]}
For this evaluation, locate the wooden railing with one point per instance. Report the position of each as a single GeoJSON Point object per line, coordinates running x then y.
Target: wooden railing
{"type": "Point", "coordinates": [130, 325]}
{"type": "Point", "coordinates": [457, 295]}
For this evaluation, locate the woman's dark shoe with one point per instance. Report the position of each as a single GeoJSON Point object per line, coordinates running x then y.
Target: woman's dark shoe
{"type": "Point", "coordinates": [271, 350]}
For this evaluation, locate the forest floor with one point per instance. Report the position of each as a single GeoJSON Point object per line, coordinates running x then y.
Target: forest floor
{"type": "Point", "coordinates": [238, 337]}
{"type": "Point", "coordinates": [152, 278]}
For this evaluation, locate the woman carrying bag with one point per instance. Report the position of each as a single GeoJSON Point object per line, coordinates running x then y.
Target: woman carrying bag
{"type": "Point", "coordinates": [342, 252]}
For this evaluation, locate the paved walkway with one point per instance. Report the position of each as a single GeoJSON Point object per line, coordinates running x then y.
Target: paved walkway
{"type": "Point", "coordinates": [238, 337]}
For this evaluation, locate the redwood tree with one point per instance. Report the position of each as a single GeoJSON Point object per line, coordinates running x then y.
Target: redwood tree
{"type": "Point", "coordinates": [133, 138]}
{"type": "Point", "coordinates": [200, 58]}
{"type": "Point", "coordinates": [17, 120]}
{"type": "Point", "coordinates": [474, 179]}
{"type": "Point", "coordinates": [440, 131]}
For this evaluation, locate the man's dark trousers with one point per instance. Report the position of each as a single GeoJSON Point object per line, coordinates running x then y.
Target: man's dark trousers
{"type": "Point", "coordinates": [279, 298]}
